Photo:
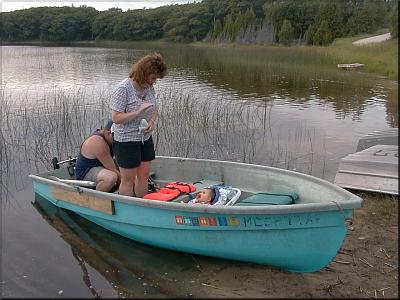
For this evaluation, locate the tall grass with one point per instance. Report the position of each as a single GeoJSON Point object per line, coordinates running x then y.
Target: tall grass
{"type": "Point", "coordinates": [188, 126]}
{"type": "Point", "coordinates": [381, 58]}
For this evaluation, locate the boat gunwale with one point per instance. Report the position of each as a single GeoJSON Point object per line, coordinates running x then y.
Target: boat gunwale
{"type": "Point", "coordinates": [352, 202]}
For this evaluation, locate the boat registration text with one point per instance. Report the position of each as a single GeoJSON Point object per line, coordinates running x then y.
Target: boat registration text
{"type": "Point", "coordinates": [249, 221]}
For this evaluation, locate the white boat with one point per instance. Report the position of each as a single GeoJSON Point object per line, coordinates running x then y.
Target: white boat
{"type": "Point", "coordinates": [375, 165]}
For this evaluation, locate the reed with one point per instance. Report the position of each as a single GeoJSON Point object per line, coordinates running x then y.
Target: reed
{"type": "Point", "coordinates": [380, 58]}
{"type": "Point", "coordinates": [189, 125]}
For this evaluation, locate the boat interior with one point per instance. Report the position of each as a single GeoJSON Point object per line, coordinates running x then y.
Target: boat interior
{"type": "Point", "coordinates": [238, 197]}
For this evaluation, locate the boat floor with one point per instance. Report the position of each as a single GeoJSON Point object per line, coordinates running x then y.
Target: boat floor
{"type": "Point", "coordinates": [373, 169]}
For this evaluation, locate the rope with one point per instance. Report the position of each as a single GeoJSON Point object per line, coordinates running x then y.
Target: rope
{"type": "Point", "coordinates": [349, 221]}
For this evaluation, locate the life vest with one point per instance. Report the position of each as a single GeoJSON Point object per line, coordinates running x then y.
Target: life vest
{"type": "Point", "coordinates": [171, 191]}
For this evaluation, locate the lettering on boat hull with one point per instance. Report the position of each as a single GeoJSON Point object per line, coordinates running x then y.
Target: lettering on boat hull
{"type": "Point", "coordinates": [278, 221]}
{"type": "Point", "coordinates": [207, 221]}
{"type": "Point", "coordinates": [84, 200]}
{"type": "Point", "coordinates": [294, 221]}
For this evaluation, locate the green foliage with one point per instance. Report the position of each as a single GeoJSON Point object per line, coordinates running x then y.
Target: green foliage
{"type": "Point", "coordinates": [363, 20]}
{"type": "Point", "coordinates": [301, 14]}
{"type": "Point", "coordinates": [187, 23]}
{"type": "Point", "coordinates": [103, 26]}
{"type": "Point", "coordinates": [48, 24]}
{"type": "Point", "coordinates": [286, 34]}
{"type": "Point", "coordinates": [317, 21]}
{"type": "Point", "coordinates": [323, 35]}
{"type": "Point", "coordinates": [394, 23]}
{"type": "Point", "coordinates": [327, 25]}
{"type": "Point", "coordinates": [234, 25]}
{"type": "Point", "coordinates": [217, 31]}
{"type": "Point", "coordinates": [369, 16]}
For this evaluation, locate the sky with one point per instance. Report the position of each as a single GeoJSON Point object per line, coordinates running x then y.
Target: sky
{"type": "Point", "coordinates": [10, 5]}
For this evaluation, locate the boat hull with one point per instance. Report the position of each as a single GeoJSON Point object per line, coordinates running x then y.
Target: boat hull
{"type": "Point", "coordinates": [297, 240]}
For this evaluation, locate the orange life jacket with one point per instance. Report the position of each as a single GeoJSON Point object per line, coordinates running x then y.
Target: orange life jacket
{"type": "Point", "coordinates": [171, 191]}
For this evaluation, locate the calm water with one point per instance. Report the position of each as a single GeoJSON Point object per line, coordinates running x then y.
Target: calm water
{"type": "Point", "coordinates": [274, 107]}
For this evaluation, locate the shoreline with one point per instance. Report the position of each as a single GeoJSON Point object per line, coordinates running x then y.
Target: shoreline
{"type": "Point", "coordinates": [342, 50]}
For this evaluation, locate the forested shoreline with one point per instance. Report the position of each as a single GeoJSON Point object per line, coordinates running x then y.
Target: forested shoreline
{"type": "Point", "coordinates": [287, 22]}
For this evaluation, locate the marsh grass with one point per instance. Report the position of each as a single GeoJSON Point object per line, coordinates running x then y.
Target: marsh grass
{"type": "Point", "coordinates": [31, 135]}
{"type": "Point", "coordinates": [380, 58]}
{"type": "Point", "coordinates": [296, 74]}
{"type": "Point", "coordinates": [217, 128]}
{"type": "Point", "coordinates": [189, 125]}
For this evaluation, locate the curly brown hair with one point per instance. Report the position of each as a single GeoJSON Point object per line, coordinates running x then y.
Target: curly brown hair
{"type": "Point", "coordinates": [147, 65]}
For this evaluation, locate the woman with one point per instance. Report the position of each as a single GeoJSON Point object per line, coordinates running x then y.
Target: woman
{"type": "Point", "coordinates": [95, 160]}
{"type": "Point", "coordinates": [133, 100]}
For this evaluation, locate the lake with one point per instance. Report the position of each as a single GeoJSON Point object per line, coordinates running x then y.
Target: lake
{"type": "Point", "coordinates": [275, 106]}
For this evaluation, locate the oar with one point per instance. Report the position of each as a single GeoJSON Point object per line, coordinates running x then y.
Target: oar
{"type": "Point", "coordinates": [85, 183]}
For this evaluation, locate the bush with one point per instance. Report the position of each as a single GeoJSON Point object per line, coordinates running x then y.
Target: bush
{"type": "Point", "coordinates": [286, 34]}
{"type": "Point", "coordinates": [394, 20]}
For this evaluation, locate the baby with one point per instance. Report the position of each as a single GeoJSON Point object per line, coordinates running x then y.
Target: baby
{"type": "Point", "coordinates": [205, 197]}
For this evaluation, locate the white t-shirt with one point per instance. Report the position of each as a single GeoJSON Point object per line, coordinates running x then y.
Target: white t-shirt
{"type": "Point", "coordinates": [126, 98]}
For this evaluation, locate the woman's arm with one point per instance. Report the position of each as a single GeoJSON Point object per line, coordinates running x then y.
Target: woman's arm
{"type": "Point", "coordinates": [125, 117]}
{"type": "Point", "coordinates": [101, 150]}
{"type": "Point", "coordinates": [152, 121]}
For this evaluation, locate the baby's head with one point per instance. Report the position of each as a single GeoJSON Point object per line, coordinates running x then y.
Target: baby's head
{"type": "Point", "coordinates": [205, 196]}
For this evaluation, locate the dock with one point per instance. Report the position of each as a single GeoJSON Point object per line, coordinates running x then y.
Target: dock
{"type": "Point", "coordinates": [374, 166]}
{"type": "Point", "coordinates": [381, 137]}
{"type": "Point", "coordinates": [350, 66]}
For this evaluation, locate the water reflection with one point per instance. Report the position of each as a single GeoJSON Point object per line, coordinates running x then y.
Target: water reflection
{"type": "Point", "coordinates": [133, 269]}
{"type": "Point", "coordinates": [247, 73]}
{"type": "Point", "coordinates": [291, 73]}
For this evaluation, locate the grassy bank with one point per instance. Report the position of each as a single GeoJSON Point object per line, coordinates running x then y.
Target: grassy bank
{"type": "Point", "coordinates": [379, 58]}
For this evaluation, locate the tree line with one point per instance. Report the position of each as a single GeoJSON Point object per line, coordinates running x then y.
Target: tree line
{"type": "Point", "coordinates": [314, 22]}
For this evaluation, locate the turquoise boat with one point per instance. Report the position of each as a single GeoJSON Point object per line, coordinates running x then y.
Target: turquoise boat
{"type": "Point", "coordinates": [304, 236]}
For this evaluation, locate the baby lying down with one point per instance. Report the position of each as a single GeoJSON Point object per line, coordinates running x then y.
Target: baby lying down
{"type": "Point", "coordinates": [216, 195]}
{"type": "Point", "coordinates": [205, 197]}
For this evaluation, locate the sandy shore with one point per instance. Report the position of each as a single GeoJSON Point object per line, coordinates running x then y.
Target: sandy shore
{"type": "Point", "coordinates": [365, 267]}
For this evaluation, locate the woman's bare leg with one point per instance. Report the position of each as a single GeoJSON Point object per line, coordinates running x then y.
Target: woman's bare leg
{"type": "Point", "coordinates": [141, 184]}
{"type": "Point", "coordinates": [127, 181]}
{"type": "Point", "coordinates": [106, 180]}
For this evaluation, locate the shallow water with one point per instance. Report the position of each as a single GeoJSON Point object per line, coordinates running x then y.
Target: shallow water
{"type": "Point", "coordinates": [263, 106]}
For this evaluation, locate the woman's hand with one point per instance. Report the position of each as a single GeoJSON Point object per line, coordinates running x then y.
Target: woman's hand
{"type": "Point", "coordinates": [150, 127]}
{"type": "Point", "coordinates": [144, 106]}
{"type": "Point", "coordinates": [125, 117]}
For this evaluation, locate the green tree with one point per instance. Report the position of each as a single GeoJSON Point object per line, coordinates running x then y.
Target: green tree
{"type": "Point", "coordinates": [228, 30]}
{"type": "Point", "coordinates": [286, 34]}
{"type": "Point", "coordinates": [217, 31]}
{"type": "Point", "coordinates": [327, 25]}
{"type": "Point", "coordinates": [323, 35]}
{"type": "Point", "coordinates": [301, 14]}
{"type": "Point", "coordinates": [103, 24]}
{"type": "Point", "coordinates": [394, 23]}
{"type": "Point", "coordinates": [189, 22]}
